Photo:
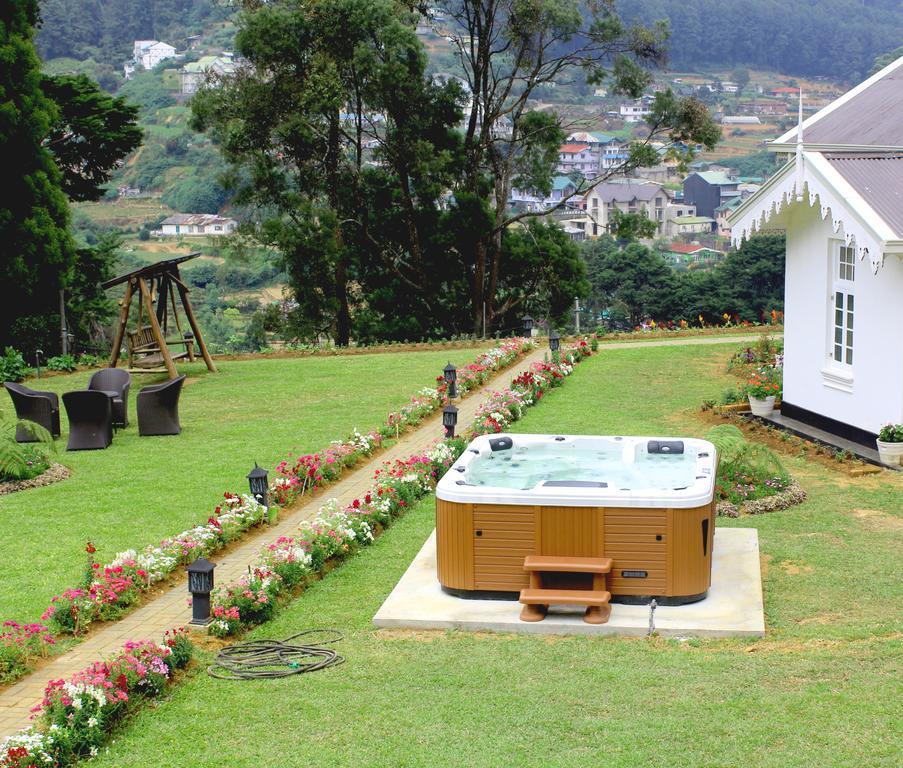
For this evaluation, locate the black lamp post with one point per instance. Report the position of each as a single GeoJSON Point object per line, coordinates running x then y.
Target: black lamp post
{"type": "Point", "coordinates": [449, 420]}
{"type": "Point", "coordinates": [451, 376]}
{"type": "Point", "coordinates": [554, 341]}
{"type": "Point", "coordinates": [200, 584]}
{"type": "Point", "coordinates": [257, 480]}
{"type": "Point", "coordinates": [528, 325]}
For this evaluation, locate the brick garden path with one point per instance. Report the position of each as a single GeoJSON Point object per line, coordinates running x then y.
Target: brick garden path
{"type": "Point", "coordinates": [170, 609]}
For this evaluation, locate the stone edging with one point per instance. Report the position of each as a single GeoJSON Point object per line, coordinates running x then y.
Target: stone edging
{"type": "Point", "coordinates": [783, 500]}
{"type": "Point", "coordinates": [54, 474]}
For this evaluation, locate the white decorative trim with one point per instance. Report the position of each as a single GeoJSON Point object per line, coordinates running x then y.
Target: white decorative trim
{"type": "Point", "coordinates": [852, 219]}
{"type": "Point", "coordinates": [834, 378]}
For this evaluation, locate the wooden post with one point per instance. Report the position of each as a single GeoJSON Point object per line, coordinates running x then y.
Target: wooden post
{"type": "Point", "coordinates": [123, 322]}
{"type": "Point", "coordinates": [155, 328]}
{"type": "Point", "coordinates": [183, 293]}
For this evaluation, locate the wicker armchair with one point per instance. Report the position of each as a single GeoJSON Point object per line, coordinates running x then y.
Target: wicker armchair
{"type": "Point", "coordinates": [114, 380]}
{"type": "Point", "coordinates": [90, 419]}
{"type": "Point", "coordinates": [33, 405]}
{"type": "Point", "coordinates": [158, 408]}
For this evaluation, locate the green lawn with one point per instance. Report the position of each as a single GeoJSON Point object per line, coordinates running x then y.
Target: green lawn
{"type": "Point", "coordinates": [821, 689]}
{"type": "Point", "coordinates": [141, 490]}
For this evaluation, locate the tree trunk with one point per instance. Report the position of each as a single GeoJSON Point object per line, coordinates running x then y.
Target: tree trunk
{"type": "Point", "coordinates": [343, 313]}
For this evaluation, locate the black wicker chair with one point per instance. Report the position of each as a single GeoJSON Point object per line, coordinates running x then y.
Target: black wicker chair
{"type": "Point", "coordinates": [33, 405]}
{"type": "Point", "coordinates": [158, 408]}
{"type": "Point", "coordinates": [114, 380]}
{"type": "Point", "coordinates": [90, 420]}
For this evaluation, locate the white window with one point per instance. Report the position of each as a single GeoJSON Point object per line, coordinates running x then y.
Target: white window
{"type": "Point", "coordinates": [844, 304]}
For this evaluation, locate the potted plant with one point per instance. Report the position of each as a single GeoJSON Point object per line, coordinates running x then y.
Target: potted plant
{"type": "Point", "coordinates": [890, 444]}
{"type": "Point", "coordinates": [762, 388]}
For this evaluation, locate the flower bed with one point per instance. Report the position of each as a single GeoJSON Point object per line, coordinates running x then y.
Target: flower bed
{"type": "Point", "coordinates": [19, 645]}
{"type": "Point", "coordinates": [339, 531]}
{"type": "Point", "coordinates": [75, 717]}
{"type": "Point", "coordinates": [107, 591]}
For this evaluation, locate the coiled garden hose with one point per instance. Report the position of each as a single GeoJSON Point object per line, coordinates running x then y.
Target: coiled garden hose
{"type": "Point", "coordinates": [272, 659]}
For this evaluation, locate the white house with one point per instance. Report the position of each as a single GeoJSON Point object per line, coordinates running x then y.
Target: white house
{"type": "Point", "coordinates": [149, 53]}
{"type": "Point", "coordinates": [634, 112]}
{"type": "Point", "coordinates": [197, 224]}
{"type": "Point", "coordinates": [578, 158]}
{"type": "Point", "coordinates": [840, 201]}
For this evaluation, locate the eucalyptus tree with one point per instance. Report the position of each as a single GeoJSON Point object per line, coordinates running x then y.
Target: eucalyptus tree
{"type": "Point", "coordinates": [507, 50]}
{"type": "Point", "coordinates": [332, 107]}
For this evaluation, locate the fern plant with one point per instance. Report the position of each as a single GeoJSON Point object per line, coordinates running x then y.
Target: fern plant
{"type": "Point", "coordinates": [746, 470]}
{"type": "Point", "coordinates": [23, 461]}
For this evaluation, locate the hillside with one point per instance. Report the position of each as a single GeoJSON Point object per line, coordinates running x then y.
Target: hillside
{"type": "Point", "coordinates": [834, 38]}
{"type": "Point", "coordinates": [827, 38]}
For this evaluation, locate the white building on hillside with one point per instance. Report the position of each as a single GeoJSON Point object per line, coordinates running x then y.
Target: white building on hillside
{"type": "Point", "coordinates": [197, 224]}
{"type": "Point", "coordinates": [627, 196]}
{"type": "Point", "coordinates": [149, 53]}
{"type": "Point", "coordinates": [193, 75]}
{"type": "Point", "coordinates": [840, 201]}
{"type": "Point", "coordinates": [634, 112]}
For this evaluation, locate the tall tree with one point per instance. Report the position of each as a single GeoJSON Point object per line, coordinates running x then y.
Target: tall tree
{"type": "Point", "coordinates": [327, 83]}
{"type": "Point", "coordinates": [507, 50]}
{"type": "Point", "coordinates": [37, 250]}
{"type": "Point", "coordinates": [91, 134]}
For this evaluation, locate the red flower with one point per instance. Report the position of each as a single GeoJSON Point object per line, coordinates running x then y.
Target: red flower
{"type": "Point", "coordinates": [90, 549]}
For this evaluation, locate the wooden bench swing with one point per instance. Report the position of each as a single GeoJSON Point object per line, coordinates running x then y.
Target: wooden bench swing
{"type": "Point", "coordinates": [147, 346]}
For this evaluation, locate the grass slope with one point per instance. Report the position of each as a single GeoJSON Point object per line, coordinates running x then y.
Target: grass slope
{"type": "Point", "coordinates": [821, 689]}
{"type": "Point", "coordinates": [142, 489]}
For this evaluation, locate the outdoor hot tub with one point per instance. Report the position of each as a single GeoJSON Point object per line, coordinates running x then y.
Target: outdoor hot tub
{"type": "Point", "coordinates": [645, 502]}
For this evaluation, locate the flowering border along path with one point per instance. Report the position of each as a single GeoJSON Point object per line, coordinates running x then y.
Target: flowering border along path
{"type": "Point", "coordinates": [108, 591]}
{"type": "Point", "coordinates": [75, 717]}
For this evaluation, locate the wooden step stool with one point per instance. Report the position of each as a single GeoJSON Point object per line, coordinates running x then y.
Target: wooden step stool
{"type": "Point", "coordinates": [539, 595]}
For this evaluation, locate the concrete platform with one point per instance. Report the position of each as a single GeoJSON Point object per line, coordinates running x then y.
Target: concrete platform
{"type": "Point", "coordinates": [733, 607]}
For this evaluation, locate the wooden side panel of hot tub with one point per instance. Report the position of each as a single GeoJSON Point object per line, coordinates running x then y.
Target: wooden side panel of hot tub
{"type": "Point", "coordinates": [692, 535]}
{"type": "Point", "coordinates": [636, 540]}
{"type": "Point", "coordinates": [454, 544]}
{"type": "Point", "coordinates": [503, 535]}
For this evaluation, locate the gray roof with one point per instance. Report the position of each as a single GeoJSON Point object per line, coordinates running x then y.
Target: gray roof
{"type": "Point", "coordinates": [624, 193]}
{"type": "Point", "coordinates": [879, 180]}
{"type": "Point", "coordinates": [871, 118]}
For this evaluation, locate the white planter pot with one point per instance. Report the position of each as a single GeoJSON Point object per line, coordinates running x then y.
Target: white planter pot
{"type": "Point", "coordinates": [890, 453]}
{"type": "Point", "coordinates": [761, 407]}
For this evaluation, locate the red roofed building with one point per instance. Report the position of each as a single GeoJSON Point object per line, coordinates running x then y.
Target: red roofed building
{"type": "Point", "coordinates": [578, 158]}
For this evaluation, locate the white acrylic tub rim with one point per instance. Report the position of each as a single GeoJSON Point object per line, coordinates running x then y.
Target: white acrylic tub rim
{"type": "Point", "coordinates": [452, 488]}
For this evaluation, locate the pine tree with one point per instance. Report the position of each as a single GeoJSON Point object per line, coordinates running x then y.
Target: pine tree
{"type": "Point", "coordinates": [36, 249]}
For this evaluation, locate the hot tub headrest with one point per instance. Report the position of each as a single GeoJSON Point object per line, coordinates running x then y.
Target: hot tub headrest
{"type": "Point", "coordinates": [500, 443]}
{"type": "Point", "coordinates": [665, 446]}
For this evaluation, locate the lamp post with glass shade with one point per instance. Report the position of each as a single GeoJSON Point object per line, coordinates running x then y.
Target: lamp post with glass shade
{"type": "Point", "coordinates": [450, 373]}
{"type": "Point", "coordinates": [449, 420]}
{"type": "Point", "coordinates": [257, 481]}
{"type": "Point", "coordinates": [200, 584]}
{"type": "Point", "coordinates": [554, 344]}
{"type": "Point", "coordinates": [528, 326]}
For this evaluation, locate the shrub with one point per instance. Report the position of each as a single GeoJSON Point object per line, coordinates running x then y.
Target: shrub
{"type": "Point", "coordinates": [22, 461]}
{"type": "Point", "coordinates": [891, 433]}
{"type": "Point", "coordinates": [61, 363]}
{"type": "Point", "coordinates": [88, 360]}
{"type": "Point", "coordinates": [12, 365]}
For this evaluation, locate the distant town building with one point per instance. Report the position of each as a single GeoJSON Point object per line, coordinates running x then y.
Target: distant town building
{"type": "Point", "coordinates": [729, 87]}
{"type": "Point", "coordinates": [689, 225]}
{"type": "Point", "coordinates": [709, 189]}
{"type": "Point", "coordinates": [635, 112]}
{"type": "Point", "coordinates": [722, 215]}
{"type": "Point", "coordinates": [692, 253]}
{"type": "Point", "coordinates": [196, 224]}
{"type": "Point", "coordinates": [764, 108]}
{"type": "Point", "coordinates": [740, 120]}
{"type": "Point", "coordinates": [149, 53]}
{"type": "Point", "coordinates": [578, 158]}
{"type": "Point", "coordinates": [627, 196]}
{"type": "Point", "coordinates": [193, 75]}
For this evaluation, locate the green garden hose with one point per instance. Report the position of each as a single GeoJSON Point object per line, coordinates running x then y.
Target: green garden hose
{"type": "Point", "coordinates": [272, 659]}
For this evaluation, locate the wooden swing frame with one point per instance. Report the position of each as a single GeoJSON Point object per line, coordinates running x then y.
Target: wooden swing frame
{"type": "Point", "coordinates": [164, 280]}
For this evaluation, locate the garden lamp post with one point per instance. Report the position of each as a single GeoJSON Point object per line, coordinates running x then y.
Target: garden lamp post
{"type": "Point", "coordinates": [200, 584]}
{"type": "Point", "coordinates": [528, 325]}
{"type": "Point", "coordinates": [554, 343]}
{"type": "Point", "coordinates": [451, 377]}
{"type": "Point", "coordinates": [449, 420]}
{"type": "Point", "coordinates": [257, 480]}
